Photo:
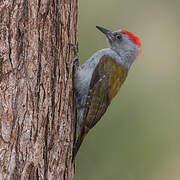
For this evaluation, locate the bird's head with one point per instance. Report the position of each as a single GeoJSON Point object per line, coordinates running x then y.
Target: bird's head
{"type": "Point", "coordinates": [122, 41]}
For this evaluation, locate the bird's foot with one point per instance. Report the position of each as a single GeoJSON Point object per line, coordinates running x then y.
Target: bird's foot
{"type": "Point", "coordinates": [75, 48]}
{"type": "Point", "coordinates": [76, 58]}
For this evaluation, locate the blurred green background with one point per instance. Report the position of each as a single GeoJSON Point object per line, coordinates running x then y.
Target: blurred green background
{"type": "Point", "coordinates": [138, 138]}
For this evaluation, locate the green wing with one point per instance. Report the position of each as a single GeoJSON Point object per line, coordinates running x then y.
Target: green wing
{"type": "Point", "coordinates": [106, 81]}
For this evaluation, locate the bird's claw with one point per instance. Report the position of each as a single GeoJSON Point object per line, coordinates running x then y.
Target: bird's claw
{"type": "Point", "coordinates": [75, 48]}
{"type": "Point", "coordinates": [76, 58]}
{"type": "Point", "coordinates": [76, 62]}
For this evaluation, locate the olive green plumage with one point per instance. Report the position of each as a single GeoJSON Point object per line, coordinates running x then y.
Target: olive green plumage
{"type": "Point", "coordinates": [99, 79]}
{"type": "Point", "coordinates": [106, 81]}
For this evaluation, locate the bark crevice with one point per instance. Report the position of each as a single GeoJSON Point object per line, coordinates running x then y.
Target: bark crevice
{"type": "Point", "coordinates": [36, 89]}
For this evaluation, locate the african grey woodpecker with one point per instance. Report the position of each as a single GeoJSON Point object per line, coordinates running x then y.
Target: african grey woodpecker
{"type": "Point", "coordinates": [99, 79]}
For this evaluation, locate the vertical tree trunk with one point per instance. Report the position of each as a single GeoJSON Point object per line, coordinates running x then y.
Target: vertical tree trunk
{"type": "Point", "coordinates": [36, 98]}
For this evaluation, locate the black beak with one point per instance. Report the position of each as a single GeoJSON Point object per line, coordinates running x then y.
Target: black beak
{"type": "Point", "coordinates": [108, 33]}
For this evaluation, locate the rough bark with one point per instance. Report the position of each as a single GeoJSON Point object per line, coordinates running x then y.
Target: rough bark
{"type": "Point", "coordinates": [36, 96]}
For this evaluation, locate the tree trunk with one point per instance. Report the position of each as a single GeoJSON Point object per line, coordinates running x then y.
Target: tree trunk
{"type": "Point", "coordinates": [36, 96]}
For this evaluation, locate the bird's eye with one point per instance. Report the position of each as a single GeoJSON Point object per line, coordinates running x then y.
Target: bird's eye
{"type": "Point", "coordinates": [118, 37]}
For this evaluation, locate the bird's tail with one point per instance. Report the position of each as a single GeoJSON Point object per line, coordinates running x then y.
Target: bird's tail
{"type": "Point", "coordinates": [79, 142]}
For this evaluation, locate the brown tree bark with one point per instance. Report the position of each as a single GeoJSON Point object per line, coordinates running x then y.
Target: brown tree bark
{"type": "Point", "coordinates": [36, 95]}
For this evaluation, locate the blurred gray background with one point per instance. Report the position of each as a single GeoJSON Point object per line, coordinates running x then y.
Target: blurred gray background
{"type": "Point", "coordinates": [138, 138]}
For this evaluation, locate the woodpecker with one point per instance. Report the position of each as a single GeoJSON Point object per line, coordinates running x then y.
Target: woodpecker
{"type": "Point", "coordinates": [99, 79]}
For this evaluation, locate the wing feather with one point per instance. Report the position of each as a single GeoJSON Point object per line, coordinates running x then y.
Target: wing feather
{"type": "Point", "coordinates": [106, 81]}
